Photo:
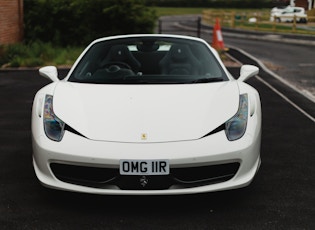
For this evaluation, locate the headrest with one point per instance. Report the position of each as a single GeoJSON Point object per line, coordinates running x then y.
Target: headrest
{"type": "Point", "coordinates": [119, 52]}
{"type": "Point", "coordinates": [179, 52]}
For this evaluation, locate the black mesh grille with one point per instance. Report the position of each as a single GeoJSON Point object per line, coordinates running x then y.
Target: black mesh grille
{"type": "Point", "coordinates": [83, 175]}
{"type": "Point", "coordinates": [205, 173]}
{"type": "Point", "coordinates": [178, 178]}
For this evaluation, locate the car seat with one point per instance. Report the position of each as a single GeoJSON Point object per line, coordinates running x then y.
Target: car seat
{"type": "Point", "coordinates": [121, 53]}
{"type": "Point", "coordinates": [179, 60]}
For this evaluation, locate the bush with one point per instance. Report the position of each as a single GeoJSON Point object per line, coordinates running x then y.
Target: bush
{"type": "Point", "coordinates": [37, 54]}
{"type": "Point", "coordinates": [11, 55]}
{"type": "Point", "coordinates": [68, 22]}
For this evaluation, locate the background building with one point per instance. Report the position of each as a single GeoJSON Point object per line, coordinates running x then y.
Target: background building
{"type": "Point", "coordinates": [307, 4]}
{"type": "Point", "coordinates": [11, 21]}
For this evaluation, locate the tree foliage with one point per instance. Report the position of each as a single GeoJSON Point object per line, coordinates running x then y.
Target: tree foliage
{"type": "Point", "coordinates": [76, 22]}
{"type": "Point", "coordinates": [213, 3]}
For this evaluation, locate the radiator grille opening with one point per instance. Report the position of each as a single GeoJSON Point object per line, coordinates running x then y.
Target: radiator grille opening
{"type": "Point", "coordinates": [189, 177]}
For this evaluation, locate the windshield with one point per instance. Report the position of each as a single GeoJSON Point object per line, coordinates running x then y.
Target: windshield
{"type": "Point", "coordinates": [148, 60]}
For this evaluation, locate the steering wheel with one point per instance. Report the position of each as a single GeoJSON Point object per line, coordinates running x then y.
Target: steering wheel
{"type": "Point", "coordinates": [113, 67]}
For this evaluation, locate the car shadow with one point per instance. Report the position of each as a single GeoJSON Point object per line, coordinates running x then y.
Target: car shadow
{"type": "Point", "coordinates": [148, 204]}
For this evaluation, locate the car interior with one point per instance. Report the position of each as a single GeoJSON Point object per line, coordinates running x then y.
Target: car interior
{"type": "Point", "coordinates": [147, 61]}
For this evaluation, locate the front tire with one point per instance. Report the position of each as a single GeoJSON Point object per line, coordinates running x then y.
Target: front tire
{"type": "Point", "coordinates": [303, 20]}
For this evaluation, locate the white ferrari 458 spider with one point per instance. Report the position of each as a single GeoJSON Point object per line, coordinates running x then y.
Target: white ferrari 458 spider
{"type": "Point", "coordinates": [147, 114]}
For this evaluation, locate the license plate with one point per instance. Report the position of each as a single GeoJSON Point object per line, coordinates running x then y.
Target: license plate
{"type": "Point", "coordinates": [144, 167]}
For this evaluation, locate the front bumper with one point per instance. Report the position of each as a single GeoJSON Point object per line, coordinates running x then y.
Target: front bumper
{"type": "Point", "coordinates": [215, 149]}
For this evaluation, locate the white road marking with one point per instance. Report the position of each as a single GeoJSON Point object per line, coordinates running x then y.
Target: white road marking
{"type": "Point", "coordinates": [286, 99]}
{"type": "Point", "coordinates": [307, 64]}
{"type": "Point", "coordinates": [283, 81]}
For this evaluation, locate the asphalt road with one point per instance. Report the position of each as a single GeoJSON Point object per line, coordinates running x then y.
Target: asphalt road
{"type": "Point", "coordinates": [280, 197]}
{"type": "Point", "coordinates": [294, 63]}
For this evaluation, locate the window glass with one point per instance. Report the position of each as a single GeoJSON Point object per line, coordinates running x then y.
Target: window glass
{"type": "Point", "coordinates": [148, 60]}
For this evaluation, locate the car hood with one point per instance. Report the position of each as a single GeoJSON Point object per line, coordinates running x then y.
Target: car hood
{"type": "Point", "coordinates": [145, 113]}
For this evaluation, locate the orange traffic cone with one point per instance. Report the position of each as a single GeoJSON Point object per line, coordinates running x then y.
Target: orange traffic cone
{"type": "Point", "coordinates": [217, 40]}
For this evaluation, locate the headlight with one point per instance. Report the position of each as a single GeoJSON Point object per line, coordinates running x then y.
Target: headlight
{"type": "Point", "coordinates": [236, 126]}
{"type": "Point", "coordinates": [53, 126]}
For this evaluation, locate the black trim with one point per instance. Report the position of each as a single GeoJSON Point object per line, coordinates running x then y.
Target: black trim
{"type": "Point", "coordinates": [219, 129]}
{"type": "Point", "coordinates": [72, 130]}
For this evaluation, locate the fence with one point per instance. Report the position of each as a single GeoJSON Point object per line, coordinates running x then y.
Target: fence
{"type": "Point", "coordinates": [259, 21]}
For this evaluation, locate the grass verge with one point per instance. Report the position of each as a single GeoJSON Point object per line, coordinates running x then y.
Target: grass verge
{"type": "Point", "coordinates": [37, 54]}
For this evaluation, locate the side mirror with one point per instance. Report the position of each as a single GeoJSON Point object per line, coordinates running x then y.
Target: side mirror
{"type": "Point", "coordinates": [248, 71]}
{"type": "Point", "coordinates": [49, 72]}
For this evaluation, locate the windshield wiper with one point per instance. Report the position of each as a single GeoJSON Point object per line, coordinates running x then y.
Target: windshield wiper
{"type": "Point", "coordinates": [207, 80]}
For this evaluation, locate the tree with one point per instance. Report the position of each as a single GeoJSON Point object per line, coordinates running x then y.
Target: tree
{"type": "Point", "coordinates": [131, 16]}
{"type": "Point", "coordinates": [69, 22]}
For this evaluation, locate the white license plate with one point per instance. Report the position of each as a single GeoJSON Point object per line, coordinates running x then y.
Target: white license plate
{"type": "Point", "coordinates": [144, 167]}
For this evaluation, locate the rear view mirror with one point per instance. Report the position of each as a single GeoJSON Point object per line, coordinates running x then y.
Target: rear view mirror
{"type": "Point", "coordinates": [49, 72]}
{"type": "Point", "coordinates": [248, 71]}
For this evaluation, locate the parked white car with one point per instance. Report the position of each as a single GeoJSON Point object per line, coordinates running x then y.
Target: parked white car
{"type": "Point", "coordinates": [278, 9]}
{"type": "Point", "coordinates": [287, 14]}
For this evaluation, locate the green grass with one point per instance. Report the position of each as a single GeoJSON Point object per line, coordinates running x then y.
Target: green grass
{"type": "Point", "coordinates": [37, 54]}
{"type": "Point", "coordinates": [169, 11]}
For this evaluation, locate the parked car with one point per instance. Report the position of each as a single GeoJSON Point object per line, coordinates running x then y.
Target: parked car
{"type": "Point", "coordinates": [147, 114]}
{"type": "Point", "coordinates": [278, 9]}
{"type": "Point", "coordinates": [288, 13]}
